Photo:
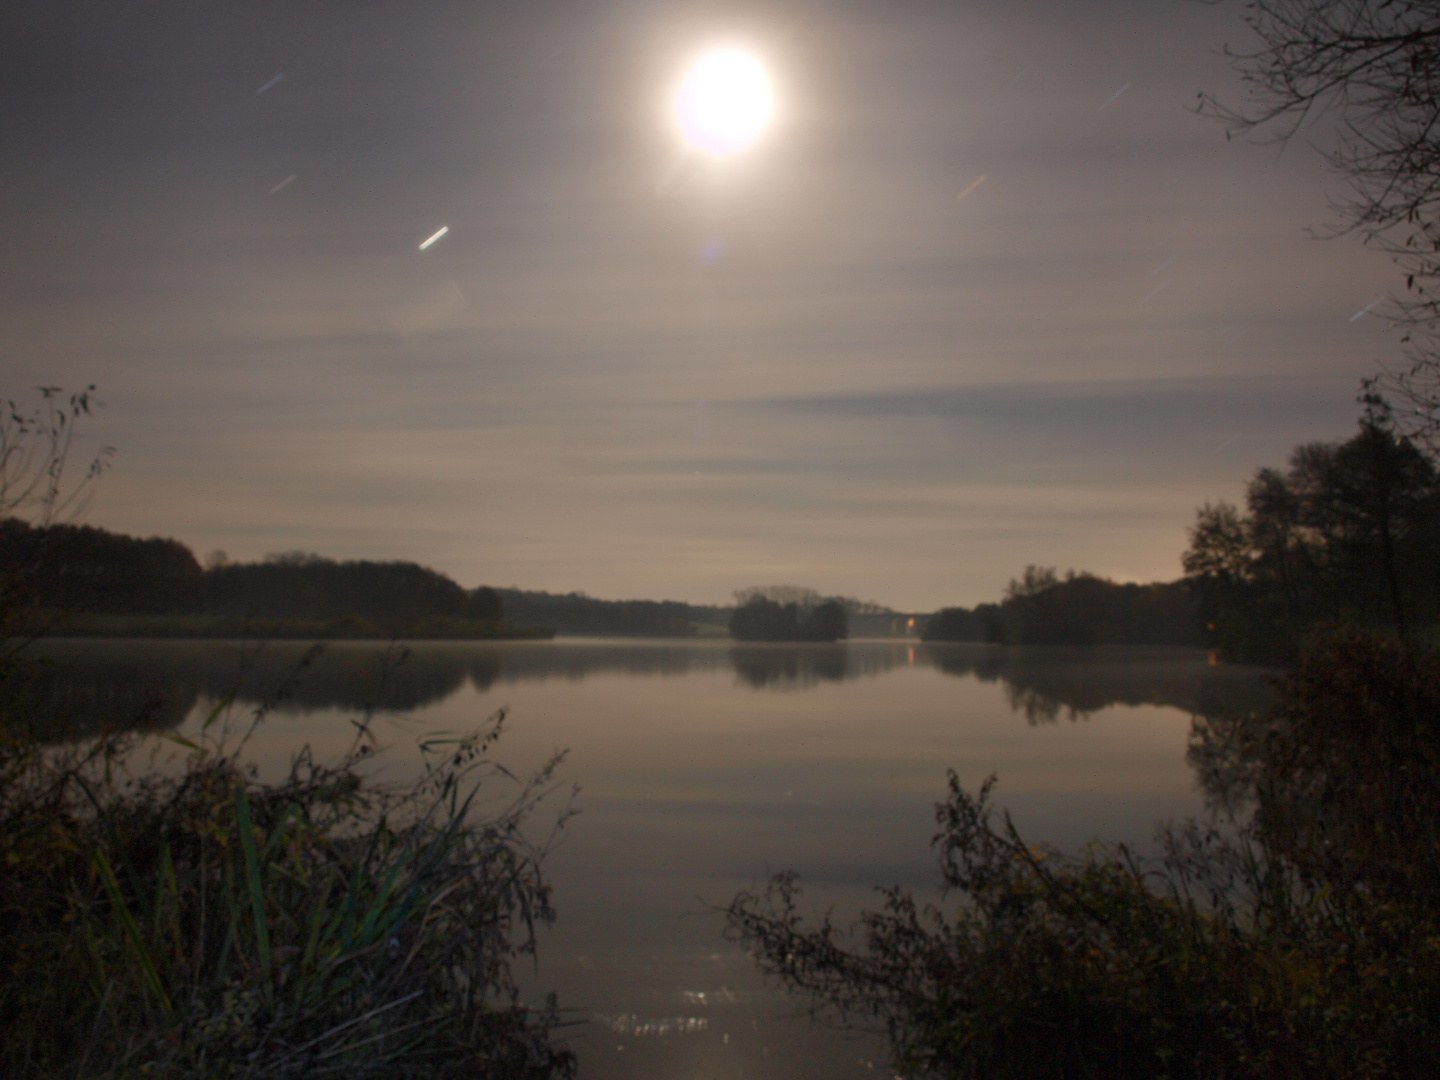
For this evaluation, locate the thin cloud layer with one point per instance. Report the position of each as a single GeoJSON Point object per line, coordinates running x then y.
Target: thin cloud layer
{"type": "Point", "coordinates": [629, 372]}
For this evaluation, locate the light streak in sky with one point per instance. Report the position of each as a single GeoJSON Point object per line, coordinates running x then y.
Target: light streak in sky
{"type": "Point", "coordinates": [1366, 308]}
{"type": "Point", "coordinates": [269, 84]}
{"type": "Point", "coordinates": [443, 230]}
{"type": "Point", "coordinates": [282, 183]}
{"type": "Point", "coordinates": [1115, 95]}
{"type": "Point", "coordinates": [1155, 290]}
{"type": "Point", "coordinates": [972, 187]}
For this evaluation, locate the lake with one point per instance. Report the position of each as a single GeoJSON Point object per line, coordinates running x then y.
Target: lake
{"type": "Point", "coordinates": [702, 767]}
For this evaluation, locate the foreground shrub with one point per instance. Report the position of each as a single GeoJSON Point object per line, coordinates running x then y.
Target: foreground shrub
{"type": "Point", "coordinates": [1296, 944]}
{"type": "Point", "coordinates": [207, 925]}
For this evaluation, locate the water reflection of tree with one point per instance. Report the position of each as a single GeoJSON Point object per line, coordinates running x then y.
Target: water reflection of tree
{"type": "Point", "coordinates": [790, 667]}
{"type": "Point", "coordinates": [76, 693]}
{"type": "Point", "coordinates": [86, 689]}
{"type": "Point", "coordinates": [1045, 683]}
{"type": "Point", "coordinates": [81, 690]}
{"type": "Point", "coordinates": [57, 703]}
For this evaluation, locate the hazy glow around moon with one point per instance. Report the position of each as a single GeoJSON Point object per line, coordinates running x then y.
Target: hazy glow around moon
{"type": "Point", "coordinates": [724, 102]}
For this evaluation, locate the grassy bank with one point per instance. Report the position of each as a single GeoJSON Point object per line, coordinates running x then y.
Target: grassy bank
{"type": "Point", "coordinates": [438, 628]}
{"type": "Point", "coordinates": [202, 924]}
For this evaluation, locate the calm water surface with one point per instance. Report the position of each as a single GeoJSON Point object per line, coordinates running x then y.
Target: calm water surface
{"type": "Point", "coordinates": [703, 766]}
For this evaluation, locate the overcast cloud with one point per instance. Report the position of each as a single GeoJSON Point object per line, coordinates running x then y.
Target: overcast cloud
{"type": "Point", "coordinates": [639, 374]}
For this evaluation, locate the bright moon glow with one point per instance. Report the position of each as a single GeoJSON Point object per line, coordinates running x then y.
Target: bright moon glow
{"type": "Point", "coordinates": [724, 102]}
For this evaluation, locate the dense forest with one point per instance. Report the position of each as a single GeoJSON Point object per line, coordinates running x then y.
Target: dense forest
{"type": "Point", "coordinates": [81, 579]}
{"type": "Point", "coordinates": [581, 615]}
{"type": "Point", "coordinates": [60, 578]}
{"type": "Point", "coordinates": [1041, 608]}
{"type": "Point", "coordinates": [80, 568]}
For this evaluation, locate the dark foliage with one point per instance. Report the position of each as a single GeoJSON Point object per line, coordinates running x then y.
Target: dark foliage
{"type": "Point", "coordinates": [1079, 609]}
{"type": "Point", "coordinates": [1300, 943]}
{"type": "Point", "coordinates": [79, 568]}
{"type": "Point", "coordinates": [760, 619]}
{"type": "Point", "coordinates": [1346, 781]}
{"type": "Point", "coordinates": [1083, 609]}
{"type": "Point", "coordinates": [484, 603]}
{"type": "Point", "coordinates": [585, 616]}
{"type": "Point", "coordinates": [54, 573]}
{"type": "Point", "coordinates": [199, 924]}
{"type": "Point", "coordinates": [308, 587]}
{"type": "Point", "coordinates": [1347, 533]}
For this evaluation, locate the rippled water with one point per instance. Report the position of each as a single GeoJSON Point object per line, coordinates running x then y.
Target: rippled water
{"type": "Point", "coordinates": [702, 767]}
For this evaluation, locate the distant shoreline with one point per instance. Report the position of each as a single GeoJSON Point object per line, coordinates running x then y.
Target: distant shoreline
{"type": "Point", "coordinates": [220, 627]}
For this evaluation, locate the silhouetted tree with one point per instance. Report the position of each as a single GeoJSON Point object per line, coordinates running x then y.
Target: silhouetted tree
{"type": "Point", "coordinates": [1347, 533]}
{"type": "Point", "coordinates": [1042, 608]}
{"type": "Point", "coordinates": [827, 621]}
{"type": "Point", "coordinates": [1373, 68]}
{"type": "Point", "coordinates": [762, 619]}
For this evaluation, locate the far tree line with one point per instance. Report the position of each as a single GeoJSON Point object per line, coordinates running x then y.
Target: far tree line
{"type": "Point", "coordinates": [51, 573]}
{"type": "Point", "coordinates": [1346, 534]}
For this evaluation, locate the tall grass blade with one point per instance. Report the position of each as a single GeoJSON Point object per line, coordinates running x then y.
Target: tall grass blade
{"type": "Point", "coordinates": [252, 876]}
{"type": "Point", "coordinates": [132, 932]}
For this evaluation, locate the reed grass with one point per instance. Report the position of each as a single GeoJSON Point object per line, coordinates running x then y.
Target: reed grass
{"type": "Point", "coordinates": [201, 923]}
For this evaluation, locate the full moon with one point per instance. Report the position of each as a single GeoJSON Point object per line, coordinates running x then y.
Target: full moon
{"type": "Point", "coordinates": [724, 102]}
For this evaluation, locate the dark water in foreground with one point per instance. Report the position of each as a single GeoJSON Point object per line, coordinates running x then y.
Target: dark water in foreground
{"type": "Point", "coordinates": [702, 767]}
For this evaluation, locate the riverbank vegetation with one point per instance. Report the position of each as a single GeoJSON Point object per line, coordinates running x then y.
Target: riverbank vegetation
{"type": "Point", "coordinates": [197, 923]}
{"type": "Point", "coordinates": [1301, 941]}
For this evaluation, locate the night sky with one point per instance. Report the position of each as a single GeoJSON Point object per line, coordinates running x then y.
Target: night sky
{"type": "Point", "coordinates": [639, 372]}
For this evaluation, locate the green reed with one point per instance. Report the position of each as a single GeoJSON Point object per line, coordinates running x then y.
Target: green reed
{"type": "Point", "coordinates": [204, 924]}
